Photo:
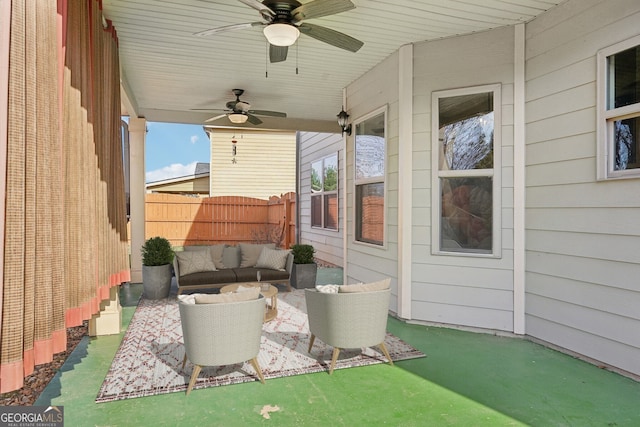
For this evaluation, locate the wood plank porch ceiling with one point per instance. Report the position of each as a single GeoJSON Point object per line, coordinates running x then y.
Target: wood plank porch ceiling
{"type": "Point", "coordinates": [167, 71]}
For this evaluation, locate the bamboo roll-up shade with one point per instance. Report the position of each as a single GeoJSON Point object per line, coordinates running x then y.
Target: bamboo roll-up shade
{"type": "Point", "coordinates": [12, 338]}
{"type": "Point", "coordinates": [65, 227]}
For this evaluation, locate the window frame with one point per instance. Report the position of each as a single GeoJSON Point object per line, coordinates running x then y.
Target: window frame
{"type": "Point", "coordinates": [375, 180]}
{"type": "Point", "coordinates": [495, 173]}
{"type": "Point", "coordinates": [607, 117]}
{"type": "Point", "coordinates": [322, 193]}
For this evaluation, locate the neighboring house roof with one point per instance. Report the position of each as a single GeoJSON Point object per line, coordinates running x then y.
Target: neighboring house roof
{"type": "Point", "coordinates": [201, 168]}
{"type": "Point", "coordinates": [194, 183]}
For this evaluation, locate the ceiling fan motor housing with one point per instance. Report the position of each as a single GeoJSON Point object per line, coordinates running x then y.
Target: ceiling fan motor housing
{"type": "Point", "coordinates": [282, 9]}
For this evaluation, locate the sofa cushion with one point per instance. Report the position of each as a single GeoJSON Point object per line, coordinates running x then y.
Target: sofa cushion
{"type": "Point", "coordinates": [274, 259]}
{"type": "Point", "coordinates": [208, 278]}
{"type": "Point", "coordinates": [366, 287]}
{"type": "Point", "coordinates": [245, 295]}
{"type": "Point", "coordinates": [194, 261]}
{"type": "Point", "coordinates": [231, 257]}
{"type": "Point", "coordinates": [249, 274]}
{"type": "Point", "coordinates": [249, 253]}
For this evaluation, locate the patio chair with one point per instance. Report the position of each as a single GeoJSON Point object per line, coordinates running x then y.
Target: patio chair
{"type": "Point", "coordinates": [222, 334]}
{"type": "Point", "coordinates": [348, 320]}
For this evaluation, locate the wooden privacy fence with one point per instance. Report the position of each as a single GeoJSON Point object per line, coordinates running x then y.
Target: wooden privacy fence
{"type": "Point", "coordinates": [186, 220]}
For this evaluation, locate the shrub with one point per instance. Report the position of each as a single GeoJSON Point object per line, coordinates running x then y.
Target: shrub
{"type": "Point", "coordinates": [302, 254]}
{"type": "Point", "coordinates": [156, 251]}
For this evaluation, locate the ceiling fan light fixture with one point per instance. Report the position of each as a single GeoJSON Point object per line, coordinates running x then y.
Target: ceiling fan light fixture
{"type": "Point", "coordinates": [237, 118]}
{"type": "Point", "coordinates": [281, 34]}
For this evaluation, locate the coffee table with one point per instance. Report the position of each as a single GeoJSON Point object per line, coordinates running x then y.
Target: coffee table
{"type": "Point", "coordinates": [270, 294]}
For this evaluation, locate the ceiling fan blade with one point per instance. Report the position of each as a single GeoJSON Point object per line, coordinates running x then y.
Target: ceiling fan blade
{"type": "Point", "coordinates": [318, 8]}
{"type": "Point", "coordinates": [228, 28]}
{"type": "Point", "coordinates": [210, 109]}
{"type": "Point", "coordinates": [332, 37]}
{"type": "Point", "coordinates": [277, 53]}
{"type": "Point", "coordinates": [253, 119]}
{"type": "Point", "coordinates": [213, 119]}
{"type": "Point", "coordinates": [260, 7]}
{"type": "Point", "coordinates": [267, 113]}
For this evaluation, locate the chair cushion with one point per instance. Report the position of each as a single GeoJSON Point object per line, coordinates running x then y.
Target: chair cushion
{"type": "Point", "coordinates": [195, 261]}
{"type": "Point", "coordinates": [274, 259]}
{"type": "Point", "coordinates": [244, 295]}
{"type": "Point", "coordinates": [366, 287]}
{"type": "Point", "coordinates": [249, 253]}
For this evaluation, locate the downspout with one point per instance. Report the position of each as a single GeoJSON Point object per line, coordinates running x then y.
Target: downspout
{"type": "Point", "coordinates": [519, 184]}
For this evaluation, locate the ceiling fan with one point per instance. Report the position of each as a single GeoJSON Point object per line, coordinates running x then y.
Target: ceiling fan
{"type": "Point", "coordinates": [282, 22]}
{"type": "Point", "coordinates": [240, 112]}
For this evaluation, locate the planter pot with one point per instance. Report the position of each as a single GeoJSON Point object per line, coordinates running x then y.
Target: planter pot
{"type": "Point", "coordinates": [156, 281]}
{"type": "Point", "coordinates": [304, 276]}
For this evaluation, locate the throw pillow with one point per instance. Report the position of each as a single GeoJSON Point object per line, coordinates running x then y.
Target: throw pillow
{"type": "Point", "coordinates": [328, 289]}
{"type": "Point", "coordinates": [216, 255]}
{"type": "Point", "coordinates": [275, 259]}
{"type": "Point", "coordinates": [194, 262]}
{"type": "Point", "coordinates": [366, 287]}
{"type": "Point", "coordinates": [231, 257]}
{"type": "Point", "coordinates": [247, 295]}
{"type": "Point", "coordinates": [214, 250]}
{"type": "Point", "coordinates": [249, 253]}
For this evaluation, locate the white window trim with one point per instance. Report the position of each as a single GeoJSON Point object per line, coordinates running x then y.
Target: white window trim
{"type": "Point", "coordinates": [496, 172]}
{"type": "Point", "coordinates": [384, 110]}
{"type": "Point", "coordinates": [323, 193]}
{"type": "Point", "coordinates": [605, 118]}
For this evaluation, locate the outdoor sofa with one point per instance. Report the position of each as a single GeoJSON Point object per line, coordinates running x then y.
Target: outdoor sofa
{"type": "Point", "coordinates": [214, 266]}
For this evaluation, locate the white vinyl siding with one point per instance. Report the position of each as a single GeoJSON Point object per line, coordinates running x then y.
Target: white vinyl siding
{"type": "Point", "coordinates": [265, 163]}
{"type": "Point", "coordinates": [582, 235]}
{"type": "Point", "coordinates": [376, 89]}
{"type": "Point", "coordinates": [462, 290]}
{"type": "Point", "coordinates": [327, 243]}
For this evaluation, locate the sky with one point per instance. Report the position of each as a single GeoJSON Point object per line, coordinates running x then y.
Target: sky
{"type": "Point", "coordinates": [172, 150]}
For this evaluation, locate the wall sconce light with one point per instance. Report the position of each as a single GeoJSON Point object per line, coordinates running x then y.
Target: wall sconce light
{"type": "Point", "coordinates": [343, 117]}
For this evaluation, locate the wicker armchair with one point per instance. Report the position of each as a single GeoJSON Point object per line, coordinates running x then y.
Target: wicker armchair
{"type": "Point", "coordinates": [222, 334]}
{"type": "Point", "coordinates": [348, 320]}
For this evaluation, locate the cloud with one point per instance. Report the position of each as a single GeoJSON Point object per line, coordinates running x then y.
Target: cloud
{"type": "Point", "coordinates": [172, 171]}
{"type": "Point", "coordinates": [194, 139]}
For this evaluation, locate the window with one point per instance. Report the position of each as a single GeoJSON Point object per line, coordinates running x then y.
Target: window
{"type": "Point", "coordinates": [619, 110]}
{"type": "Point", "coordinates": [466, 182]}
{"type": "Point", "coordinates": [370, 155]}
{"type": "Point", "coordinates": [324, 193]}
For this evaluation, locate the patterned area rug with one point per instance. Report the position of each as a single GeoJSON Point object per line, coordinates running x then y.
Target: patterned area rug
{"type": "Point", "coordinates": [149, 360]}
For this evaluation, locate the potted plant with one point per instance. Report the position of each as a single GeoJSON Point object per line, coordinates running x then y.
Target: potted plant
{"type": "Point", "coordinates": [157, 257]}
{"type": "Point", "coordinates": [303, 274]}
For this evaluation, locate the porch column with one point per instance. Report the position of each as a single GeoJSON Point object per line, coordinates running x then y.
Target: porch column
{"type": "Point", "coordinates": [405, 179]}
{"type": "Point", "coordinates": [519, 184]}
{"type": "Point", "coordinates": [137, 135]}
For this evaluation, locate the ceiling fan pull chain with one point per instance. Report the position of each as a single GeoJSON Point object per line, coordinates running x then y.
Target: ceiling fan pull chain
{"type": "Point", "coordinates": [297, 59]}
{"type": "Point", "coordinates": [266, 62]}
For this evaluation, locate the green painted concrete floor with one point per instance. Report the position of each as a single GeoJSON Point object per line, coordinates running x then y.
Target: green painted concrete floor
{"type": "Point", "coordinates": [467, 379]}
